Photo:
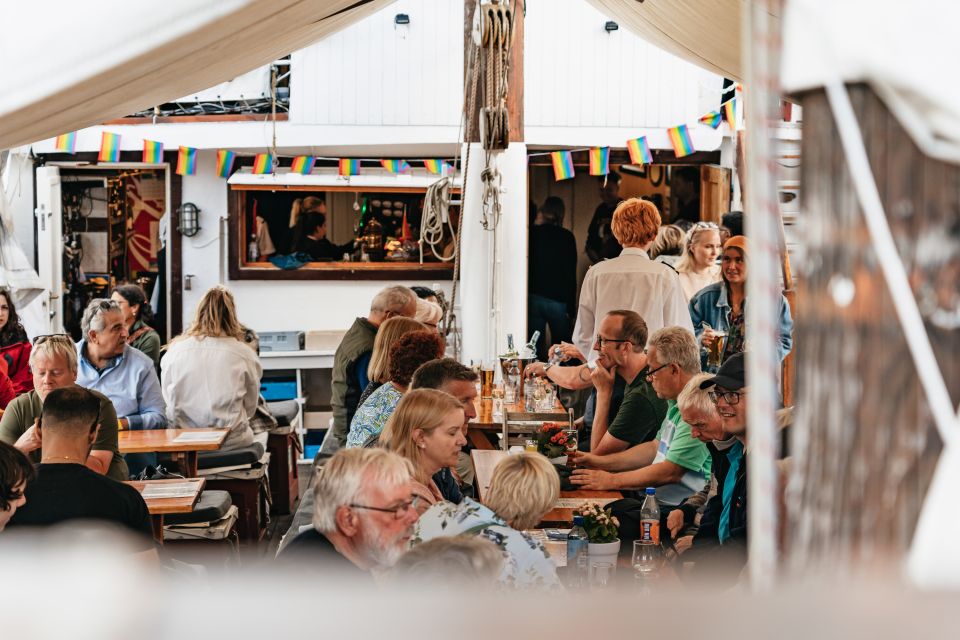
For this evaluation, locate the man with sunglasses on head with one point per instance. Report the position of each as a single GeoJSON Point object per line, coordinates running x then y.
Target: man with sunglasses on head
{"type": "Point", "coordinates": [363, 517]}
{"type": "Point", "coordinates": [53, 361]}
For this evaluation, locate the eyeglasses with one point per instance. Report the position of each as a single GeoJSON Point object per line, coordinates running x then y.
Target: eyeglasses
{"type": "Point", "coordinates": [651, 373]}
{"type": "Point", "coordinates": [53, 337]}
{"type": "Point", "coordinates": [706, 225]}
{"type": "Point", "coordinates": [730, 397]}
{"type": "Point", "coordinates": [397, 511]}
{"type": "Point", "coordinates": [600, 340]}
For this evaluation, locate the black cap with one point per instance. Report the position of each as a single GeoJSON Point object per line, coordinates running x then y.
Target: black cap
{"type": "Point", "coordinates": [730, 376]}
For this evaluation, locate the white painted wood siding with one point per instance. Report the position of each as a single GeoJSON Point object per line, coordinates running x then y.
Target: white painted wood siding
{"type": "Point", "coordinates": [375, 73]}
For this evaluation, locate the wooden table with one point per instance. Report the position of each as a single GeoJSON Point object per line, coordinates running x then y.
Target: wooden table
{"type": "Point", "coordinates": [162, 441]}
{"type": "Point", "coordinates": [482, 430]}
{"type": "Point", "coordinates": [484, 462]}
{"type": "Point", "coordinates": [158, 507]}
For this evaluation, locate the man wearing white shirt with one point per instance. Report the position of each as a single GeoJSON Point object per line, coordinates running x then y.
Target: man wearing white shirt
{"type": "Point", "coordinates": [631, 281]}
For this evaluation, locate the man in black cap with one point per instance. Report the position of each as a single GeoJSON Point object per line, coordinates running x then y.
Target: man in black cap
{"type": "Point", "coordinates": [723, 527]}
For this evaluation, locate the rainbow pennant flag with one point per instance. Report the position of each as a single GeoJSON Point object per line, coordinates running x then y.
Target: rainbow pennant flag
{"type": "Point", "coordinates": [712, 119]}
{"type": "Point", "coordinates": [109, 147]}
{"type": "Point", "coordinates": [67, 142]}
{"type": "Point", "coordinates": [303, 165]}
{"type": "Point", "coordinates": [438, 167]}
{"type": "Point", "coordinates": [263, 163]}
{"type": "Point", "coordinates": [225, 162]}
{"type": "Point", "coordinates": [349, 167]}
{"type": "Point", "coordinates": [187, 161]}
{"type": "Point", "coordinates": [599, 161]}
{"type": "Point", "coordinates": [730, 113]}
{"type": "Point", "coordinates": [152, 152]}
{"type": "Point", "coordinates": [395, 166]}
{"type": "Point", "coordinates": [680, 139]}
{"type": "Point", "coordinates": [562, 165]}
{"type": "Point", "coordinates": [639, 151]}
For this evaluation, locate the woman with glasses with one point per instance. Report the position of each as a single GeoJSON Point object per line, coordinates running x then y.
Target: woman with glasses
{"type": "Point", "coordinates": [137, 316]}
{"type": "Point", "coordinates": [523, 488]}
{"type": "Point", "coordinates": [14, 347]}
{"type": "Point", "coordinates": [718, 311]}
{"type": "Point", "coordinates": [427, 429]}
{"type": "Point", "coordinates": [697, 265]}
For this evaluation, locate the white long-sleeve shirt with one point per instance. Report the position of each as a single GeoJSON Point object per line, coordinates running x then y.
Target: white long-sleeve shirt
{"type": "Point", "coordinates": [212, 383]}
{"type": "Point", "coordinates": [630, 281]}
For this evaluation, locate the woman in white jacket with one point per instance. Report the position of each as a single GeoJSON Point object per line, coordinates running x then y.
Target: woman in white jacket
{"type": "Point", "coordinates": [209, 376]}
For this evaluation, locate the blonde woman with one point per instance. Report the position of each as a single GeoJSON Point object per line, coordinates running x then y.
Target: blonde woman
{"type": "Point", "coordinates": [524, 487]}
{"type": "Point", "coordinates": [427, 429]}
{"type": "Point", "coordinates": [209, 377]}
{"type": "Point", "coordinates": [697, 265]}
{"type": "Point", "coordinates": [379, 370]}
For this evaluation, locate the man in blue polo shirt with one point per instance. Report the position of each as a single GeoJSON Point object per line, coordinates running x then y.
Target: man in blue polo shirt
{"type": "Point", "coordinates": [125, 375]}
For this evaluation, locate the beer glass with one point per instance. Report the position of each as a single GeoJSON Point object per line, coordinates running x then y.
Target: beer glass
{"type": "Point", "coordinates": [715, 352]}
{"type": "Point", "coordinates": [486, 379]}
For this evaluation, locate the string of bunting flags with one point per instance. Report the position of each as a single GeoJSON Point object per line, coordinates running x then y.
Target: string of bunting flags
{"type": "Point", "coordinates": [639, 148]}
{"type": "Point", "coordinates": [263, 163]}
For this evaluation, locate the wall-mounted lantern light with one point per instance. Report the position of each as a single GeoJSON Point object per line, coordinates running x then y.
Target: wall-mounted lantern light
{"type": "Point", "coordinates": [610, 26]}
{"type": "Point", "coordinates": [189, 219]}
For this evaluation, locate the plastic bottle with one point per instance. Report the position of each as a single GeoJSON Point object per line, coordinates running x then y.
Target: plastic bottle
{"type": "Point", "coordinates": [650, 518]}
{"type": "Point", "coordinates": [578, 554]}
{"type": "Point", "coordinates": [511, 390]}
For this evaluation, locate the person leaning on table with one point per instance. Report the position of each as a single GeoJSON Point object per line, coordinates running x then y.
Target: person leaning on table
{"type": "Point", "coordinates": [53, 362]}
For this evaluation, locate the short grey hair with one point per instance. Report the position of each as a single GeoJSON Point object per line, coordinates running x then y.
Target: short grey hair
{"type": "Point", "coordinates": [693, 397]}
{"type": "Point", "coordinates": [676, 345]}
{"type": "Point", "coordinates": [348, 475]}
{"type": "Point", "coordinates": [93, 315]}
{"type": "Point", "coordinates": [395, 298]}
{"type": "Point", "coordinates": [57, 346]}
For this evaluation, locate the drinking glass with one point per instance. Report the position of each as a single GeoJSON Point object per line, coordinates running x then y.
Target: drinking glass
{"type": "Point", "coordinates": [646, 559]}
{"type": "Point", "coordinates": [715, 352]}
{"type": "Point", "coordinates": [497, 395]}
{"type": "Point", "coordinates": [571, 446]}
{"type": "Point", "coordinates": [601, 574]}
{"type": "Point", "coordinates": [486, 379]}
{"type": "Point", "coordinates": [530, 445]}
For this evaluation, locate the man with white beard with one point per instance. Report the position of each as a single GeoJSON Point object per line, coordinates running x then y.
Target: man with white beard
{"type": "Point", "coordinates": [363, 515]}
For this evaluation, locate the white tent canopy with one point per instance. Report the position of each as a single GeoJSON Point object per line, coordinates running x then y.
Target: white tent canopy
{"type": "Point", "coordinates": [704, 32]}
{"type": "Point", "coordinates": [103, 60]}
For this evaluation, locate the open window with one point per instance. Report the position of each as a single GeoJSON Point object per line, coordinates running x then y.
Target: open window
{"type": "Point", "coordinates": [369, 227]}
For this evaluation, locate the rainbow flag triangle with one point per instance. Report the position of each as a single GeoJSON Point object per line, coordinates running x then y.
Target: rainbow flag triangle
{"type": "Point", "coordinates": [263, 163]}
{"type": "Point", "coordinates": [730, 113]}
{"type": "Point", "coordinates": [395, 166]}
{"type": "Point", "coordinates": [437, 167]}
{"type": "Point", "coordinates": [152, 152]}
{"type": "Point", "coordinates": [599, 161]}
{"type": "Point", "coordinates": [225, 162]}
{"type": "Point", "coordinates": [349, 167]}
{"type": "Point", "coordinates": [712, 119]}
{"type": "Point", "coordinates": [109, 147]}
{"type": "Point", "coordinates": [67, 142]}
{"type": "Point", "coordinates": [303, 165]}
{"type": "Point", "coordinates": [186, 161]}
{"type": "Point", "coordinates": [562, 165]}
{"type": "Point", "coordinates": [639, 151]}
{"type": "Point", "coordinates": [680, 140]}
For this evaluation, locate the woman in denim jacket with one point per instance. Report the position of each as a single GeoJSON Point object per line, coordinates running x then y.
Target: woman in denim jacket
{"type": "Point", "coordinates": [721, 307]}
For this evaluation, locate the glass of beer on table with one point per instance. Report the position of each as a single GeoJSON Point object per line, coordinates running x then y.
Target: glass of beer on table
{"type": "Point", "coordinates": [486, 378]}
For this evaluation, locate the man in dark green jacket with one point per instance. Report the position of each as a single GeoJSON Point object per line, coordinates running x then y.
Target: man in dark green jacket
{"type": "Point", "coordinates": [353, 355]}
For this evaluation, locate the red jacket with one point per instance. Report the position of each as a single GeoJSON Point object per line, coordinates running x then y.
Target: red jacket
{"type": "Point", "coordinates": [17, 357]}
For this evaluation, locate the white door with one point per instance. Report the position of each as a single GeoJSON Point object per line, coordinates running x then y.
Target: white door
{"type": "Point", "coordinates": [49, 214]}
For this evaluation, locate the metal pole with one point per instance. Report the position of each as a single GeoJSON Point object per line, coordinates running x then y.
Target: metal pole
{"type": "Point", "coordinates": [761, 56]}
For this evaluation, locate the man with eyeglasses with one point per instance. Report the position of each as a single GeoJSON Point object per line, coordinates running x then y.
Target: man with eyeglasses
{"type": "Point", "coordinates": [675, 462]}
{"type": "Point", "coordinates": [363, 517]}
{"type": "Point", "coordinates": [723, 526]}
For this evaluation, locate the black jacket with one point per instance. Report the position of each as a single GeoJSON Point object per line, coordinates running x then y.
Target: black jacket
{"type": "Point", "coordinates": [707, 541]}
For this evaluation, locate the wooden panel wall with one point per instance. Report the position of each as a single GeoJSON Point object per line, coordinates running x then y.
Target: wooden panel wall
{"type": "Point", "coordinates": [864, 442]}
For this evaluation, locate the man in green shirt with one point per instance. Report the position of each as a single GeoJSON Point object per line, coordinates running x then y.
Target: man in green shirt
{"type": "Point", "coordinates": [621, 340]}
{"type": "Point", "coordinates": [675, 462]}
{"type": "Point", "coordinates": [53, 362]}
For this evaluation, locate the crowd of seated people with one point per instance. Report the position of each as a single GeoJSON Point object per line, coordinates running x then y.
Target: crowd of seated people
{"type": "Point", "coordinates": [393, 501]}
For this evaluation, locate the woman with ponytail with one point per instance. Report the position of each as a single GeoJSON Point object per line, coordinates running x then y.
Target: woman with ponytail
{"type": "Point", "coordinates": [137, 316]}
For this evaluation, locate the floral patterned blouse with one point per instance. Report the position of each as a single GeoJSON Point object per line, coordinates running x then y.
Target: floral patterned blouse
{"type": "Point", "coordinates": [372, 415]}
{"type": "Point", "coordinates": [526, 563]}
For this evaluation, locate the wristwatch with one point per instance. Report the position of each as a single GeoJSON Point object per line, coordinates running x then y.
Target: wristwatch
{"type": "Point", "coordinates": [546, 367]}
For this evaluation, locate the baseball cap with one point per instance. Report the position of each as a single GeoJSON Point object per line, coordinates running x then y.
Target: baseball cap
{"type": "Point", "coordinates": [731, 374]}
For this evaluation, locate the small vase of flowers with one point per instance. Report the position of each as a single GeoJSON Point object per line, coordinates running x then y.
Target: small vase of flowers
{"type": "Point", "coordinates": [552, 441]}
{"type": "Point", "coordinates": [601, 527]}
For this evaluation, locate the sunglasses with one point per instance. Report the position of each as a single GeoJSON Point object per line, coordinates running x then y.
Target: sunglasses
{"type": "Point", "coordinates": [53, 337]}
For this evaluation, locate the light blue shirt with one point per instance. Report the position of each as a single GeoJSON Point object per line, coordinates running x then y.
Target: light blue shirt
{"type": "Point", "coordinates": [131, 383]}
